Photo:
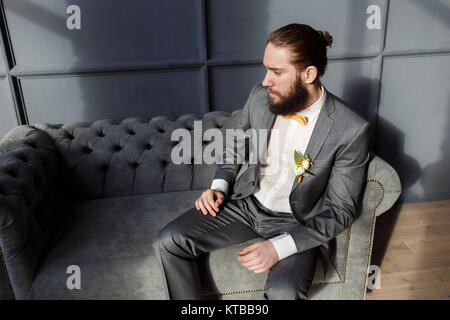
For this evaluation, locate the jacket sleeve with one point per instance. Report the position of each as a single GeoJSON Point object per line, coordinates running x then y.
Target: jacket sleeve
{"type": "Point", "coordinates": [231, 165]}
{"type": "Point", "coordinates": [341, 196]}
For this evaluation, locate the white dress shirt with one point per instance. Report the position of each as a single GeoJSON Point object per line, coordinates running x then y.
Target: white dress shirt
{"type": "Point", "coordinates": [277, 176]}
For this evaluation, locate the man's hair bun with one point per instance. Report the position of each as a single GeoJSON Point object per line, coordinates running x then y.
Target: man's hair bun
{"type": "Point", "coordinates": [326, 37]}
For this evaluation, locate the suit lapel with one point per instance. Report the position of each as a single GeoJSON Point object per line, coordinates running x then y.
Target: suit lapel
{"type": "Point", "coordinates": [268, 119]}
{"type": "Point", "coordinates": [267, 122]}
{"type": "Point", "coordinates": [320, 132]}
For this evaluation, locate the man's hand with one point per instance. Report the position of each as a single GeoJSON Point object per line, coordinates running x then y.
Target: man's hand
{"type": "Point", "coordinates": [209, 201]}
{"type": "Point", "coordinates": [259, 257]}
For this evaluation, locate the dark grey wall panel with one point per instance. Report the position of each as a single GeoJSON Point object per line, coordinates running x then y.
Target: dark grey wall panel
{"type": "Point", "coordinates": [239, 28]}
{"type": "Point", "coordinates": [8, 118]}
{"type": "Point", "coordinates": [112, 32]}
{"type": "Point", "coordinates": [356, 82]}
{"type": "Point", "coordinates": [414, 123]}
{"type": "Point", "coordinates": [231, 85]}
{"type": "Point", "coordinates": [88, 98]}
{"type": "Point", "coordinates": [418, 25]}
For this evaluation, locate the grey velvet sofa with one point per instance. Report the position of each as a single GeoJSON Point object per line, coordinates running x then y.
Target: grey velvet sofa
{"type": "Point", "coordinates": [94, 195]}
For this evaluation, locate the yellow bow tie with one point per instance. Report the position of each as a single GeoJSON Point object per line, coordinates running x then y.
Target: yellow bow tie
{"type": "Point", "coordinates": [300, 119]}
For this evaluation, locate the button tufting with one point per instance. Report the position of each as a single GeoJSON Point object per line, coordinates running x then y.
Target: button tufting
{"type": "Point", "coordinates": [70, 136]}
{"type": "Point", "coordinates": [31, 144]}
{"type": "Point", "coordinates": [22, 158]}
{"type": "Point", "coordinates": [86, 149]}
{"type": "Point", "coordinates": [100, 134]}
{"type": "Point", "coordinates": [117, 148]}
{"type": "Point", "coordinates": [148, 146]}
{"type": "Point", "coordinates": [11, 173]}
{"type": "Point", "coordinates": [134, 165]}
{"type": "Point", "coordinates": [131, 132]}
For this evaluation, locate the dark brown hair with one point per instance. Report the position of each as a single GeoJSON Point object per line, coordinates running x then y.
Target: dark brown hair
{"type": "Point", "coordinates": [309, 45]}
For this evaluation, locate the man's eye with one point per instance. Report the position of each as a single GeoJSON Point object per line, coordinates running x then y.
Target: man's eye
{"type": "Point", "coordinates": [277, 72]}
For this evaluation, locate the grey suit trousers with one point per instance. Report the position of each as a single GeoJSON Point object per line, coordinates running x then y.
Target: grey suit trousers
{"type": "Point", "coordinates": [181, 242]}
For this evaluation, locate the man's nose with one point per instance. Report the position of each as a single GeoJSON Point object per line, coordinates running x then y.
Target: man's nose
{"type": "Point", "coordinates": [267, 82]}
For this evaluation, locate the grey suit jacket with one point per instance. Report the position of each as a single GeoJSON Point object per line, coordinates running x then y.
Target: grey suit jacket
{"type": "Point", "coordinates": [324, 203]}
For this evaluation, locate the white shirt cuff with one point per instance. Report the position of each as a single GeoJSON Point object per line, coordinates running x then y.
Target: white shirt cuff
{"type": "Point", "coordinates": [220, 185]}
{"type": "Point", "coordinates": [284, 245]}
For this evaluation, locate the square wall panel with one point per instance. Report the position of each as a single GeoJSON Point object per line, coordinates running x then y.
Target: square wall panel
{"type": "Point", "coordinates": [414, 123]}
{"type": "Point", "coordinates": [112, 32]}
{"type": "Point", "coordinates": [239, 28]}
{"type": "Point", "coordinates": [8, 119]}
{"type": "Point", "coordinates": [356, 82]}
{"type": "Point", "coordinates": [62, 99]}
{"type": "Point", "coordinates": [418, 25]}
{"type": "Point", "coordinates": [231, 86]}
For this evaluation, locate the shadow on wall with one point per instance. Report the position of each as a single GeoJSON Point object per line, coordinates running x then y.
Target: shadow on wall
{"type": "Point", "coordinates": [362, 92]}
{"type": "Point", "coordinates": [436, 176]}
{"type": "Point", "coordinates": [390, 145]}
{"type": "Point", "coordinates": [439, 10]}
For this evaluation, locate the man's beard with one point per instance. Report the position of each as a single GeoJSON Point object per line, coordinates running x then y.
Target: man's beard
{"type": "Point", "coordinates": [295, 102]}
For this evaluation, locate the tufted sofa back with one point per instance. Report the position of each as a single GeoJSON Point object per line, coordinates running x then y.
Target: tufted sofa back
{"type": "Point", "coordinates": [109, 158]}
{"type": "Point", "coordinates": [44, 166]}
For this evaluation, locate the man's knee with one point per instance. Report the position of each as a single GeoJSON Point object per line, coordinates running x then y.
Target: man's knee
{"type": "Point", "coordinates": [171, 239]}
{"type": "Point", "coordinates": [285, 291]}
{"type": "Point", "coordinates": [162, 239]}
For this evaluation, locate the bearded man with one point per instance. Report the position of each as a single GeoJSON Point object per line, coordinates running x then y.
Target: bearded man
{"type": "Point", "coordinates": [298, 211]}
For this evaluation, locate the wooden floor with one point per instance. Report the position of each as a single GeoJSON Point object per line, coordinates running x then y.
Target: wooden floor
{"type": "Point", "coordinates": [412, 248]}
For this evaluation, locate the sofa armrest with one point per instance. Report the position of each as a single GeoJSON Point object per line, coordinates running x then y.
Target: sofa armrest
{"type": "Point", "coordinates": [29, 195]}
{"type": "Point", "coordinates": [383, 174]}
{"type": "Point", "coordinates": [381, 192]}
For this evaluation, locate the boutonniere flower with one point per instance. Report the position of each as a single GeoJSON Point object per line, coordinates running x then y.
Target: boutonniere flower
{"type": "Point", "coordinates": [302, 165]}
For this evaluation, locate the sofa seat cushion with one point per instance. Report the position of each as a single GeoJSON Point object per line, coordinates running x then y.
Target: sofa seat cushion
{"type": "Point", "coordinates": [110, 240]}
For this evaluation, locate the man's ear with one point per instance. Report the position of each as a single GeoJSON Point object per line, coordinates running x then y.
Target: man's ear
{"type": "Point", "coordinates": [309, 75]}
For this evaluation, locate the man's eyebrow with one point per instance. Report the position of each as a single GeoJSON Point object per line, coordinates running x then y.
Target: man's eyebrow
{"type": "Point", "coordinates": [272, 68]}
